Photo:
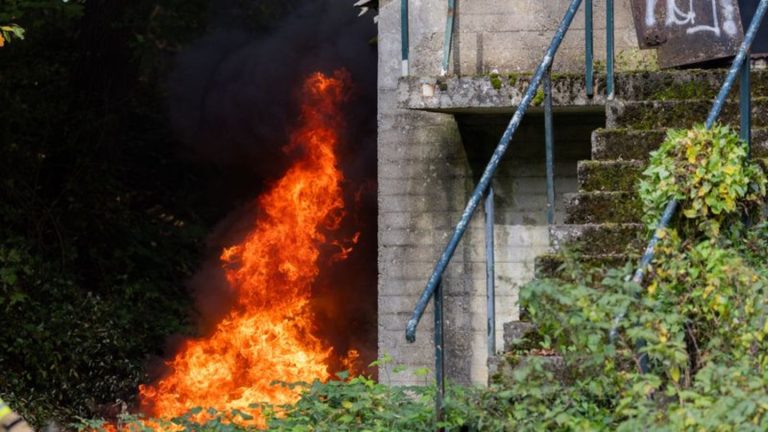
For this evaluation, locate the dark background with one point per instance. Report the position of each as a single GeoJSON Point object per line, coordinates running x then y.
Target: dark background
{"type": "Point", "coordinates": [134, 136]}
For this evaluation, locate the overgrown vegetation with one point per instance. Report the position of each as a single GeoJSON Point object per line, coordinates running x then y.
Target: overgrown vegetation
{"type": "Point", "coordinates": [698, 326]}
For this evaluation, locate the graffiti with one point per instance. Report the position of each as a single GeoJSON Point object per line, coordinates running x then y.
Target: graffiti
{"type": "Point", "coordinates": [717, 19]}
{"type": "Point", "coordinates": [688, 32]}
{"type": "Point", "coordinates": [650, 15]}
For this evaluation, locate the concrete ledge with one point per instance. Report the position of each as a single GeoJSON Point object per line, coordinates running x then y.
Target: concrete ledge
{"type": "Point", "coordinates": [502, 93]}
{"type": "Point", "coordinates": [497, 94]}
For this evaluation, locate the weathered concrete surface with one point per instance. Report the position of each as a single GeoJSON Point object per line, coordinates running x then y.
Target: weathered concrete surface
{"type": "Point", "coordinates": [427, 167]}
{"type": "Point", "coordinates": [510, 36]}
{"type": "Point", "coordinates": [486, 94]}
{"type": "Point", "coordinates": [598, 239]}
{"type": "Point", "coordinates": [631, 144]}
{"type": "Point", "coordinates": [609, 175]}
{"type": "Point", "coordinates": [655, 114]}
{"type": "Point", "coordinates": [423, 179]}
{"type": "Point", "coordinates": [504, 92]}
{"type": "Point", "coordinates": [602, 207]}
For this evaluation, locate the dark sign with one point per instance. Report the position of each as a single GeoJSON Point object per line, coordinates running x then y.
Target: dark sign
{"type": "Point", "coordinates": [688, 31]}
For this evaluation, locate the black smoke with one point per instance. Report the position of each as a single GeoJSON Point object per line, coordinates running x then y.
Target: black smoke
{"type": "Point", "coordinates": [233, 101]}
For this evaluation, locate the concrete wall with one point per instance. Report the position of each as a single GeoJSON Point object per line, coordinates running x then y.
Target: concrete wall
{"type": "Point", "coordinates": [511, 35]}
{"type": "Point", "coordinates": [428, 164]}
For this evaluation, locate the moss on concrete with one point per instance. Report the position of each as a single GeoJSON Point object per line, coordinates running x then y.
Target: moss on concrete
{"type": "Point", "coordinates": [634, 59]}
{"type": "Point", "coordinates": [601, 207]}
{"type": "Point", "coordinates": [495, 81]}
{"type": "Point", "coordinates": [633, 144]}
{"type": "Point", "coordinates": [681, 114]}
{"type": "Point", "coordinates": [684, 90]}
{"type": "Point", "coordinates": [551, 265]}
{"type": "Point", "coordinates": [608, 175]}
{"type": "Point", "coordinates": [625, 144]}
{"type": "Point", "coordinates": [611, 239]}
{"type": "Point", "coordinates": [538, 98]}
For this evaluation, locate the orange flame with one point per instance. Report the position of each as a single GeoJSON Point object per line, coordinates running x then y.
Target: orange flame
{"type": "Point", "coordinates": [268, 334]}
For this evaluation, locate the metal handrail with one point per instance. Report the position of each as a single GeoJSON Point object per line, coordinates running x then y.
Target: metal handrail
{"type": "Point", "coordinates": [484, 189]}
{"type": "Point", "coordinates": [404, 42]}
{"type": "Point", "coordinates": [490, 170]}
{"type": "Point", "coordinates": [739, 67]}
{"type": "Point", "coordinates": [448, 36]}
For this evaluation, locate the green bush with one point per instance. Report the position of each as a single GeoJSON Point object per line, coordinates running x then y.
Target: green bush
{"type": "Point", "coordinates": [708, 171]}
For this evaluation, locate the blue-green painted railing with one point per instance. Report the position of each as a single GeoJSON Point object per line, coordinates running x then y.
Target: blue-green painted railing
{"type": "Point", "coordinates": [739, 68]}
{"type": "Point", "coordinates": [483, 190]}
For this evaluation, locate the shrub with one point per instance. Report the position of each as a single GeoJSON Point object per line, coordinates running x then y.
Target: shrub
{"type": "Point", "coordinates": [708, 171]}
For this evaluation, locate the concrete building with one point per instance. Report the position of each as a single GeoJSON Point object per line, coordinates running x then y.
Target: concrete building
{"type": "Point", "coordinates": [434, 138]}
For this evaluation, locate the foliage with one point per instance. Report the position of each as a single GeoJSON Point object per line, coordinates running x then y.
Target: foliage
{"type": "Point", "coordinates": [700, 323]}
{"type": "Point", "coordinates": [28, 12]}
{"type": "Point", "coordinates": [706, 170]}
{"type": "Point", "coordinates": [9, 32]}
{"type": "Point", "coordinates": [98, 220]}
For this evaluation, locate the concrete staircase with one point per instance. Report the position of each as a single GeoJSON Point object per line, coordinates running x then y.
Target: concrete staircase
{"type": "Point", "coordinates": [603, 218]}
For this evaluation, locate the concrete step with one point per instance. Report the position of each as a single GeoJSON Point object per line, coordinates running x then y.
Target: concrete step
{"type": "Point", "coordinates": [616, 175]}
{"type": "Point", "coordinates": [516, 333]}
{"type": "Point", "coordinates": [550, 265]}
{"type": "Point", "coordinates": [501, 368]}
{"type": "Point", "coordinates": [598, 239]}
{"type": "Point", "coordinates": [677, 113]}
{"type": "Point", "coordinates": [620, 176]}
{"type": "Point", "coordinates": [632, 144]}
{"type": "Point", "coordinates": [602, 207]}
{"type": "Point", "coordinates": [682, 84]}
{"type": "Point", "coordinates": [521, 345]}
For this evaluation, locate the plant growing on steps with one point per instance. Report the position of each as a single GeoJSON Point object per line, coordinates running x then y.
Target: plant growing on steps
{"type": "Point", "coordinates": [701, 320]}
{"type": "Point", "coordinates": [708, 171]}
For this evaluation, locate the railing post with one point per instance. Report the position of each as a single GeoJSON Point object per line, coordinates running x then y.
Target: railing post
{"type": "Point", "coordinates": [404, 42]}
{"type": "Point", "coordinates": [490, 272]}
{"type": "Point", "coordinates": [448, 37]}
{"type": "Point", "coordinates": [589, 49]}
{"type": "Point", "coordinates": [609, 47]}
{"type": "Point", "coordinates": [549, 145]}
{"type": "Point", "coordinates": [439, 354]}
{"type": "Point", "coordinates": [745, 105]}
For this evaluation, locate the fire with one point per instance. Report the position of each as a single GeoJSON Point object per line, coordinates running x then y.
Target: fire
{"type": "Point", "coordinates": [269, 332]}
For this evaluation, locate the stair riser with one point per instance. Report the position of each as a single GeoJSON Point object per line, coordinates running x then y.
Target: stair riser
{"type": "Point", "coordinates": [590, 208]}
{"type": "Point", "coordinates": [609, 176]}
{"type": "Point", "coordinates": [548, 266]}
{"type": "Point", "coordinates": [502, 368]}
{"type": "Point", "coordinates": [636, 145]}
{"type": "Point", "coordinates": [690, 84]}
{"type": "Point", "coordinates": [677, 114]}
{"type": "Point", "coordinates": [596, 240]}
{"type": "Point", "coordinates": [515, 332]}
